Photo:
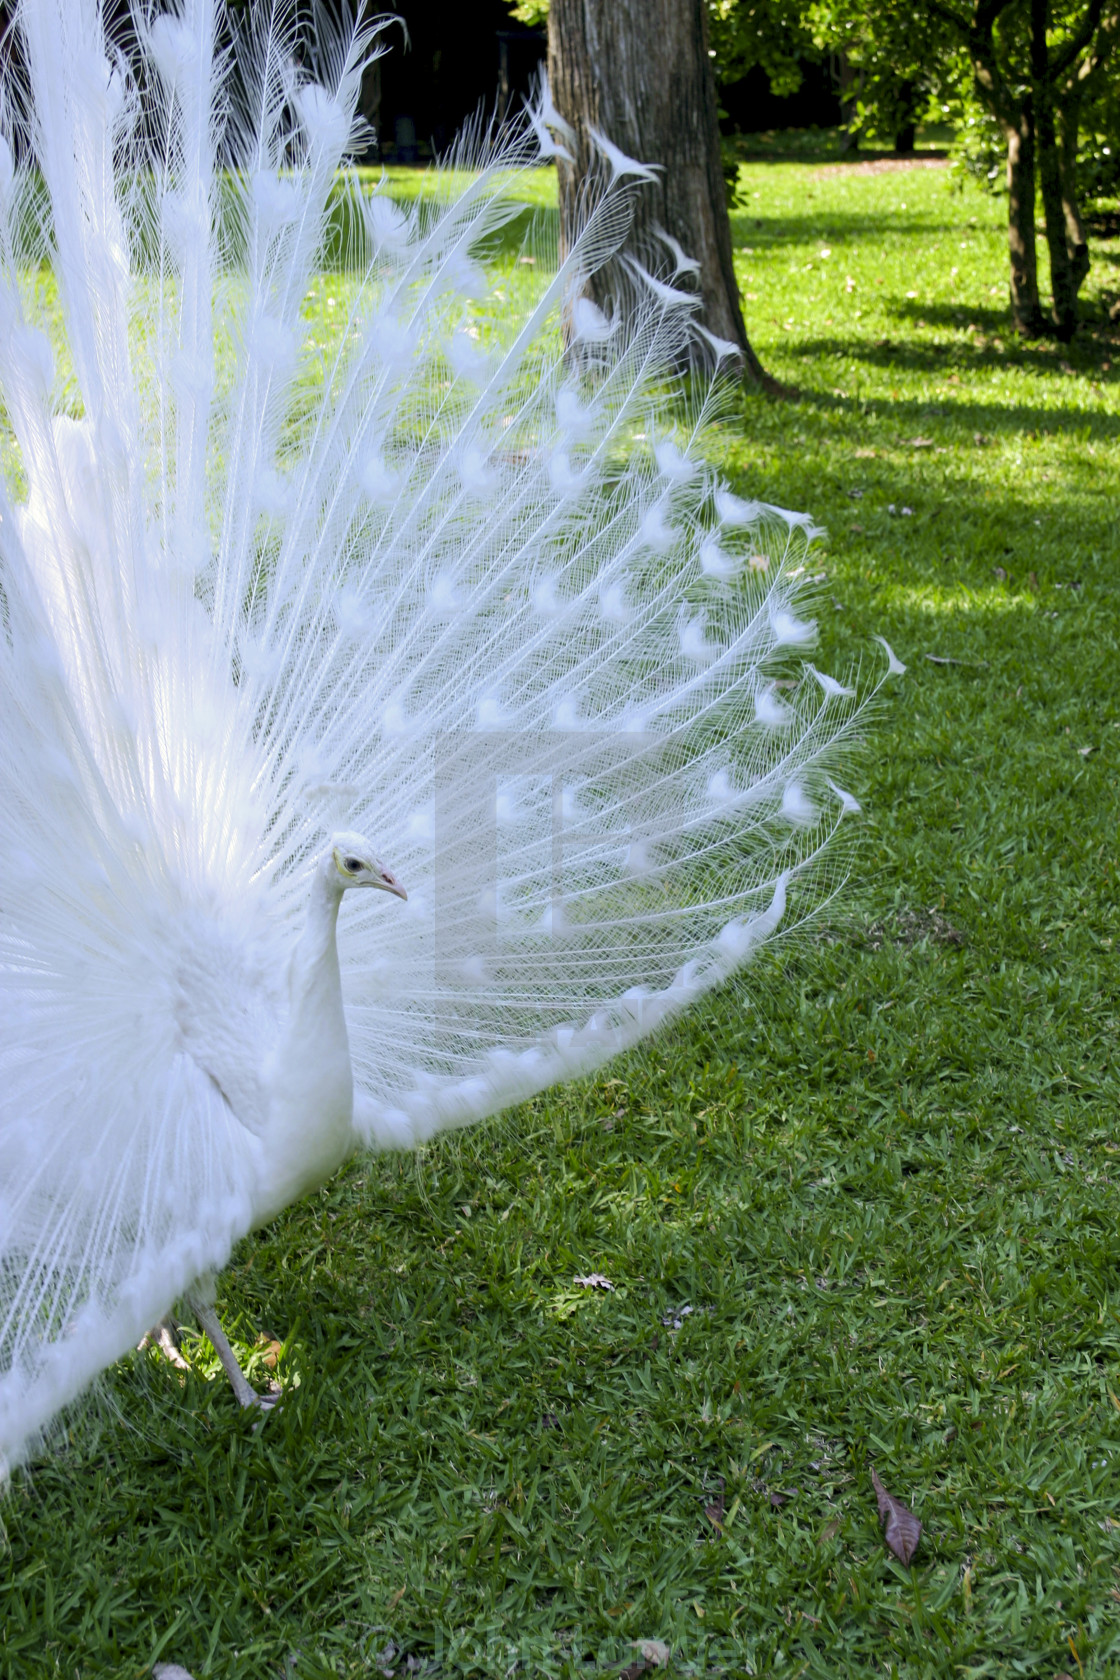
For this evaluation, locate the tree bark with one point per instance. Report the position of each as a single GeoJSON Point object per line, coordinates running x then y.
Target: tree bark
{"type": "Point", "coordinates": [639, 72]}
{"type": "Point", "coordinates": [1026, 310]}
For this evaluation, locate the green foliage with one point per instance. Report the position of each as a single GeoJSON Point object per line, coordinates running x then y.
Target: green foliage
{"type": "Point", "coordinates": [979, 146]}
{"type": "Point", "coordinates": [776, 34]}
{"type": "Point", "coordinates": [531, 12]}
{"type": "Point", "coordinates": [899, 62]}
{"type": "Point", "coordinates": [886, 1189]}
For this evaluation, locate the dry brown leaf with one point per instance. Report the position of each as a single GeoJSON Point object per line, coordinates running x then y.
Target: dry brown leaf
{"type": "Point", "coordinates": [716, 1509]}
{"type": "Point", "coordinates": [902, 1530]}
{"type": "Point", "coordinates": [830, 1532]}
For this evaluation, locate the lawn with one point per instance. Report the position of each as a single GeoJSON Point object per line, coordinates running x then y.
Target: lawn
{"type": "Point", "coordinates": [864, 1215]}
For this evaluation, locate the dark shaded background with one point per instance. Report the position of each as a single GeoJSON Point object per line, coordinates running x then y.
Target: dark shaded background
{"type": "Point", "coordinates": [469, 56]}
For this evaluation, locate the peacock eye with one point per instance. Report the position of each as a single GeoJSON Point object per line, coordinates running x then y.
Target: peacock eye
{"type": "Point", "coordinates": [353, 864]}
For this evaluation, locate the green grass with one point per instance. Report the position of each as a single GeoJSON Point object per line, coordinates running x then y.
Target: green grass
{"type": "Point", "coordinates": [887, 1190]}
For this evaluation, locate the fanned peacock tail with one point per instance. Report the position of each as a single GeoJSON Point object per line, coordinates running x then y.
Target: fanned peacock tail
{"type": "Point", "coordinates": [462, 581]}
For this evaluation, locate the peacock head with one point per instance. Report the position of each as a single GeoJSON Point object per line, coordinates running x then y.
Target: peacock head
{"type": "Point", "coordinates": [355, 864]}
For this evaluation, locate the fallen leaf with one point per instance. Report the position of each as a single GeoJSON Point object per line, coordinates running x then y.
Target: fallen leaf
{"type": "Point", "coordinates": [902, 1528]}
{"type": "Point", "coordinates": [594, 1280]}
{"type": "Point", "coordinates": [1032, 582]}
{"type": "Point", "coordinates": [397, 1596]}
{"type": "Point", "coordinates": [549, 1420]}
{"type": "Point", "coordinates": [999, 574]}
{"type": "Point", "coordinates": [830, 1532]}
{"type": "Point", "coordinates": [921, 443]}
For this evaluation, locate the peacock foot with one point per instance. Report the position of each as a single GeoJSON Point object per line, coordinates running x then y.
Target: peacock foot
{"type": "Point", "coordinates": [244, 1392]}
{"type": "Point", "coordinates": [165, 1337]}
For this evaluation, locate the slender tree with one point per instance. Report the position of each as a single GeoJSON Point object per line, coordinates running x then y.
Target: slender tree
{"type": "Point", "coordinates": [1032, 62]}
{"type": "Point", "coordinates": [639, 72]}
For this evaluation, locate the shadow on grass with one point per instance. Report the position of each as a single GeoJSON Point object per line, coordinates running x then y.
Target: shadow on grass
{"type": "Point", "coordinates": [840, 226]}
{"type": "Point", "coordinates": [1094, 328]}
{"type": "Point", "coordinates": [987, 419]}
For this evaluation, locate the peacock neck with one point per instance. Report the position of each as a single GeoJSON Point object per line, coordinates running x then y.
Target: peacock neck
{"type": "Point", "coordinates": [310, 1127]}
{"type": "Point", "coordinates": [315, 976]}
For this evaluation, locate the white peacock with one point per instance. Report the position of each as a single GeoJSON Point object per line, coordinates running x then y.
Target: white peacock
{"type": "Point", "coordinates": [456, 576]}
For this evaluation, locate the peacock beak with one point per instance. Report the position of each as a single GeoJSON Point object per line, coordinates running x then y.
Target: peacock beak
{"type": "Point", "coordinates": [388, 882]}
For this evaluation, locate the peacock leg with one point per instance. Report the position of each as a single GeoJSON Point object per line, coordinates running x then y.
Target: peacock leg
{"type": "Point", "coordinates": [165, 1336]}
{"type": "Point", "coordinates": [239, 1382]}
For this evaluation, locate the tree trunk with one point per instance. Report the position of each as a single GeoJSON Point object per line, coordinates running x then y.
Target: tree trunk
{"type": "Point", "coordinates": [906, 134]}
{"type": "Point", "coordinates": [1069, 122]}
{"type": "Point", "coordinates": [1014, 113]}
{"type": "Point", "coordinates": [1026, 311]}
{"type": "Point", "coordinates": [851, 85]}
{"type": "Point", "coordinates": [639, 72]}
{"type": "Point", "coordinates": [1062, 283]}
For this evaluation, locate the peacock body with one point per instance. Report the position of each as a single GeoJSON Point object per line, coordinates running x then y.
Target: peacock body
{"type": "Point", "coordinates": [463, 586]}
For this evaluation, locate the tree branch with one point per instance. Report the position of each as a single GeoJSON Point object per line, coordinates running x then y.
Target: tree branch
{"type": "Point", "coordinates": [1078, 41]}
